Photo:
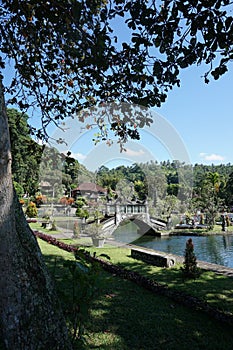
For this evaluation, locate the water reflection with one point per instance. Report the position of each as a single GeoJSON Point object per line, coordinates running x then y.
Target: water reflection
{"type": "Point", "coordinates": [217, 249]}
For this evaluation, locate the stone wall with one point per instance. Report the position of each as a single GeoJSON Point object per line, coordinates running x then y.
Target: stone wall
{"type": "Point", "coordinates": [153, 258]}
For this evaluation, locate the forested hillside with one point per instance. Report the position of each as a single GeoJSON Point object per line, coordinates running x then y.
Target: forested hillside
{"type": "Point", "coordinates": [27, 155]}
{"type": "Point", "coordinates": [174, 186]}
{"type": "Point", "coordinates": [169, 186]}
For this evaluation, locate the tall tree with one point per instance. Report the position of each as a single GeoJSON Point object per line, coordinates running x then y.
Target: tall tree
{"type": "Point", "coordinates": [29, 306]}
{"type": "Point", "coordinates": [66, 57]}
{"type": "Point", "coordinates": [229, 192]}
{"type": "Point", "coordinates": [209, 199]}
{"type": "Point", "coordinates": [26, 153]}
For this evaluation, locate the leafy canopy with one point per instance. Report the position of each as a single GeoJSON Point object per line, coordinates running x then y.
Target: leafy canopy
{"type": "Point", "coordinates": [26, 153]}
{"type": "Point", "coordinates": [68, 55]}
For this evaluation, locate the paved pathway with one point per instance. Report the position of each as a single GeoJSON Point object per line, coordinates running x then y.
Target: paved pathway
{"type": "Point", "coordinates": [67, 234]}
{"type": "Point", "coordinates": [223, 270]}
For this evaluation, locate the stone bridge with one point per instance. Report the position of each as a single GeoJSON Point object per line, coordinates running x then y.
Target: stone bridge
{"type": "Point", "coordinates": [135, 212]}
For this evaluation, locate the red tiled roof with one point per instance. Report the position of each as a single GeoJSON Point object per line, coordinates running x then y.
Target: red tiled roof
{"type": "Point", "coordinates": [89, 187]}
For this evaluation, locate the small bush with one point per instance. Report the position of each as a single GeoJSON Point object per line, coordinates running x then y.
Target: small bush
{"type": "Point", "coordinates": [40, 199]}
{"type": "Point", "coordinates": [54, 226]}
{"type": "Point", "coordinates": [63, 201]}
{"type": "Point", "coordinates": [190, 269]}
{"type": "Point", "coordinates": [82, 213]}
{"type": "Point", "coordinates": [31, 210]}
{"type": "Point", "coordinates": [22, 201]}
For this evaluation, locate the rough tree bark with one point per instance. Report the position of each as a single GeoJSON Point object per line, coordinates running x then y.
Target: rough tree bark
{"type": "Point", "coordinates": [31, 317]}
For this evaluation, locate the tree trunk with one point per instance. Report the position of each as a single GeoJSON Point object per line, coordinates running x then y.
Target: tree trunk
{"type": "Point", "coordinates": [31, 317]}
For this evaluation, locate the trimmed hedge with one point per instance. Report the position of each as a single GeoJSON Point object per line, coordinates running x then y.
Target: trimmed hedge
{"type": "Point", "coordinates": [51, 240]}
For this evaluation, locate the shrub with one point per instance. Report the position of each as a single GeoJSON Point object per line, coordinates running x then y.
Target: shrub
{"type": "Point", "coordinates": [63, 201]}
{"type": "Point", "coordinates": [54, 226]}
{"type": "Point", "coordinates": [18, 188]}
{"type": "Point", "coordinates": [86, 283]}
{"type": "Point", "coordinates": [70, 200]}
{"type": "Point", "coordinates": [95, 230]}
{"type": "Point", "coordinates": [22, 201]}
{"type": "Point", "coordinates": [190, 269]}
{"type": "Point", "coordinates": [201, 219]}
{"type": "Point", "coordinates": [51, 240]}
{"type": "Point", "coordinates": [80, 202]}
{"type": "Point", "coordinates": [228, 221]}
{"type": "Point", "coordinates": [82, 213]}
{"type": "Point", "coordinates": [31, 210]}
{"type": "Point", "coordinates": [40, 199]}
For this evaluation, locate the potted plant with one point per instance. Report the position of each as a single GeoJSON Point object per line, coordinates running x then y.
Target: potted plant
{"type": "Point", "coordinates": [95, 231]}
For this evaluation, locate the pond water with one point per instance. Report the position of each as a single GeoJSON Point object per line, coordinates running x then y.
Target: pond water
{"type": "Point", "coordinates": [217, 249]}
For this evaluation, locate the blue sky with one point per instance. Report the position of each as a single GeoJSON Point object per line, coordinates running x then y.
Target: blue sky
{"type": "Point", "coordinates": [197, 119]}
{"type": "Point", "coordinates": [203, 116]}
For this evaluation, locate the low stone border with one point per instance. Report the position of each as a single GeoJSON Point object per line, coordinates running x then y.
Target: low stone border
{"type": "Point", "coordinates": [153, 258]}
{"type": "Point", "coordinates": [153, 286]}
{"type": "Point", "coordinates": [186, 232]}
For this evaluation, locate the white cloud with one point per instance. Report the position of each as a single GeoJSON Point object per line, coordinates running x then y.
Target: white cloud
{"type": "Point", "coordinates": [212, 157]}
{"type": "Point", "coordinates": [78, 156]}
{"type": "Point", "coordinates": [39, 141]}
{"type": "Point", "coordinates": [202, 155]}
{"type": "Point", "coordinates": [133, 153]}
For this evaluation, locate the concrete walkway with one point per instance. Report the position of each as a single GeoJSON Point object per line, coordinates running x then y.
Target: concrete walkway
{"type": "Point", "coordinates": [67, 234]}
{"type": "Point", "coordinates": [219, 269]}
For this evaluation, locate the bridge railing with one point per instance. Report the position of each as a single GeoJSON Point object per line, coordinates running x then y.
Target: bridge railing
{"type": "Point", "coordinates": [108, 223]}
{"type": "Point", "coordinates": [157, 221]}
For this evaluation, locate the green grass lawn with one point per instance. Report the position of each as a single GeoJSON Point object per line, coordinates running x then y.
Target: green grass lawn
{"type": "Point", "coordinates": [36, 226]}
{"type": "Point", "coordinates": [124, 316]}
{"type": "Point", "coordinates": [83, 241]}
{"type": "Point", "coordinates": [215, 289]}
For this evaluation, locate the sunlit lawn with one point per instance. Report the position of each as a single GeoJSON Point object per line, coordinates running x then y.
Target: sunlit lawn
{"type": "Point", "coordinates": [215, 289]}
{"type": "Point", "coordinates": [126, 316]}
{"type": "Point", "coordinates": [37, 226]}
{"type": "Point", "coordinates": [79, 241]}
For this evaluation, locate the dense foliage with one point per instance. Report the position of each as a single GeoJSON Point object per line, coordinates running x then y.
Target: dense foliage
{"type": "Point", "coordinates": [209, 186]}
{"type": "Point", "coordinates": [32, 163]}
{"type": "Point", "coordinates": [72, 49]}
{"type": "Point", "coordinates": [169, 185]}
{"type": "Point", "coordinates": [26, 152]}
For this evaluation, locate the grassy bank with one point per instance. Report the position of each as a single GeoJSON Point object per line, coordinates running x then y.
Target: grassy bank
{"type": "Point", "coordinates": [126, 316]}
{"type": "Point", "coordinates": [215, 289]}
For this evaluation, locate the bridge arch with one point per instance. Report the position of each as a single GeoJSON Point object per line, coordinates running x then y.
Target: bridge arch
{"type": "Point", "coordinates": [144, 226]}
{"type": "Point", "coordinates": [145, 223]}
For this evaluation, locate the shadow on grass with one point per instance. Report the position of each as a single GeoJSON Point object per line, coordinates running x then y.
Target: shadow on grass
{"type": "Point", "coordinates": [126, 316]}
{"type": "Point", "coordinates": [215, 289]}
{"type": "Point", "coordinates": [137, 319]}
